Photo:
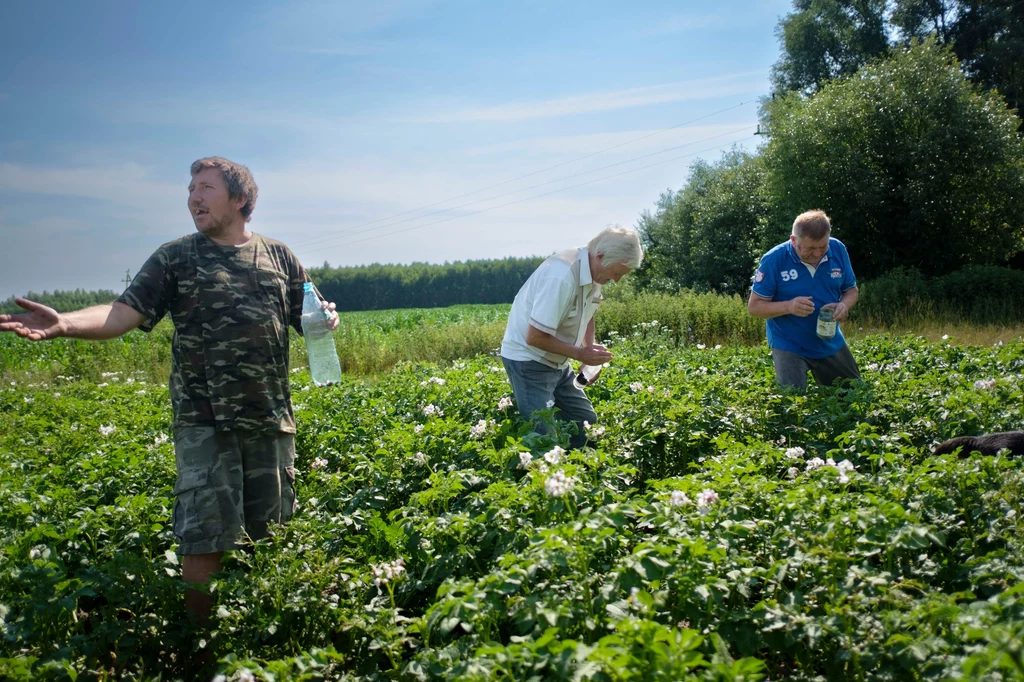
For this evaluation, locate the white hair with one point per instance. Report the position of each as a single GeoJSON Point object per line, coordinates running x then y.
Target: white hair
{"type": "Point", "coordinates": [618, 245]}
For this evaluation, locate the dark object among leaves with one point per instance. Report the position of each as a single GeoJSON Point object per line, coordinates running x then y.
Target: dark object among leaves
{"type": "Point", "coordinates": [986, 445]}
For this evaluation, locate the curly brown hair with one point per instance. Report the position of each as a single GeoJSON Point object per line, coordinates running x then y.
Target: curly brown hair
{"type": "Point", "coordinates": [238, 178]}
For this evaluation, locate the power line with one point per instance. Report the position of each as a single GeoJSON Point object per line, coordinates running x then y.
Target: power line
{"type": "Point", "coordinates": [537, 196]}
{"type": "Point", "coordinates": [520, 177]}
{"type": "Point", "coordinates": [350, 232]}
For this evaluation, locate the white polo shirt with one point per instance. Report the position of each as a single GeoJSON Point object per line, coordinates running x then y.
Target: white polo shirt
{"type": "Point", "coordinates": [560, 298]}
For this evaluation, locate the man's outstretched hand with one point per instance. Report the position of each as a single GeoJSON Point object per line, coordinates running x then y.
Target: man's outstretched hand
{"type": "Point", "coordinates": [39, 323]}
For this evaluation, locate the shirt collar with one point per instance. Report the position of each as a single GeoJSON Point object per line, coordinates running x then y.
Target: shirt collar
{"type": "Point", "coordinates": [792, 253]}
{"type": "Point", "coordinates": [584, 257]}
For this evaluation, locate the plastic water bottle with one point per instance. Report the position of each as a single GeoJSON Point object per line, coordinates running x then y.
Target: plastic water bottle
{"type": "Point", "coordinates": [826, 325]}
{"type": "Point", "coordinates": [585, 375]}
{"type": "Point", "coordinates": [323, 356]}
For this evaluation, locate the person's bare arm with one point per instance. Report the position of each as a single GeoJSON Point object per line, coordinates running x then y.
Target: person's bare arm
{"type": "Point", "coordinates": [588, 336]}
{"type": "Point", "coordinates": [842, 309]}
{"type": "Point", "coordinates": [765, 308]}
{"type": "Point", "coordinates": [96, 323]}
{"type": "Point", "coordinates": [591, 354]}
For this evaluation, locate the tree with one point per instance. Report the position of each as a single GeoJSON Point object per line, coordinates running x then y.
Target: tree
{"type": "Point", "coordinates": [917, 166]}
{"type": "Point", "coordinates": [825, 39]}
{"type": "Point", "coordinates": [986, 35]}
{"type": "Point", "coordinates": [705, 236]}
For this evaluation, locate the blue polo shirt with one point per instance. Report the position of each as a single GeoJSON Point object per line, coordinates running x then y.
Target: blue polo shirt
{"type": "Point", "coordinates": [782, 276]}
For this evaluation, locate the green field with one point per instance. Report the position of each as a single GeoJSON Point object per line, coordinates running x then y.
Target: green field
{"type": "Point", "coordinates": [706, 537]}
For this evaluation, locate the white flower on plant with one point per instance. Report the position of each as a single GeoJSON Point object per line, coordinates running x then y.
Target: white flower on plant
{"type": "Point", "coordinates": [984, 384]}
{"type": "Point", "coordinates": [845, 465]}
{"type": "Point", "coordinates": [678, 499]}
{"type": "Point", "coordinates": [319, 463]}
{"type": "Point", "coordinates": [815, 463]}
{"type": "Point", "coordinates": [418, 428]}
{"type": "Point", "coordinates": [504, 403]}
{"type": "Point", "coordinates": [706, 497]}
{"type": "Point", "coordinates": [945, 337]}
{"type": "Point", "coordinates": [497, 369]}
{"type": "Point", "coordinates": [792, 472]}
{"type": "Point", "coordinates": [830, 462]}
{"type": "Point", "coordinates": [421, 459]}
{"type": "Point", "coordinates": [701, 346]}
{"type": "Point", "coordinates": [795, 453]}
{"type": "Point", "coordinates": [388, 572]}
{"type": "Point", "coordinates": [478, 430]}
{"type": "Point", "coordinates": [161, 439]}
{"type": "Point", "coordinates": [554, 455]}
{"type": "Point", "coordinates": [595, 430]}
{"type": "Point", "coordinates": [558, 484]}
{"type": "Point", "coordinates": [843, 478]}
{"type": "Point", "coordinates": [650, 389]}
{"type": "Point", "coordinates": [636, 387]}
{"type": "Point", "coordinates": [631, 599]}
{"type": "Point", "coordinates": [718, 346]}
{"type": "Point", "coordinates": [479, 375]}
{"type": "Point", "coordinates": [432, 410]}
{"type": "Point", "coordinates": [246, 676]}
{"type": "Point", "coordinates": [107, 430]}
{"type": "Point", "coordinates": [524, 459]}
{"type": "Point", "coordinates": [434, 380]}
{"type": "Point", "coordinates": [549, 404]}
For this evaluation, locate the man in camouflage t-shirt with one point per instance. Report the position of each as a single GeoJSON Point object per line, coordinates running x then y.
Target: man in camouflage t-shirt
{"type": "Point", "coordinates": [231, 295]}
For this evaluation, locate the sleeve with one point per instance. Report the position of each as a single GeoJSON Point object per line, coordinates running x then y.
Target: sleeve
{"type": "Point", "coordinates": [552, 300]}
{"type": "Point", "coordinates": [297, 277]}
{"type": "Point", "coordinates": [849, 279]}
{"type": "Point", "coordinates": [766, 282]}
{"type": "Point", "coordinates": [154, 287]}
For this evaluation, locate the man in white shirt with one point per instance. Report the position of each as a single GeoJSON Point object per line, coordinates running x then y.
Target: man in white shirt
{"type": "Point", "coordinates": [552, 321]}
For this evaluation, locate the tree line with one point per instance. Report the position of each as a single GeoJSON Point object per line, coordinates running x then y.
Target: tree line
{"type": "Point", "coordinates": [423, 285]}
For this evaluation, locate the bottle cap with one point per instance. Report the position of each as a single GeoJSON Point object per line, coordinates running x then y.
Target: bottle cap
{"type": "Point", "coordinates": [307, 287]}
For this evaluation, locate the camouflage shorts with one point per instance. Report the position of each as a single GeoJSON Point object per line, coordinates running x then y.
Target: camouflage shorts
{"type": "Point", "coordinates": [230, 483]}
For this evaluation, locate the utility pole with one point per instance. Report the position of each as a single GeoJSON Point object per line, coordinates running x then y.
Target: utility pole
{"type": "Point", "coordinates": [127, 278]}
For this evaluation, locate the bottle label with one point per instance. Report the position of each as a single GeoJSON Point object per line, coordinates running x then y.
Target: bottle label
{"type": "Point", "coordinates": [826, 329]}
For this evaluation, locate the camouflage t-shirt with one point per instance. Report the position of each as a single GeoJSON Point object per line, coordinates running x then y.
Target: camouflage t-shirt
{"type": "Point", "coordinates": [231, 307]}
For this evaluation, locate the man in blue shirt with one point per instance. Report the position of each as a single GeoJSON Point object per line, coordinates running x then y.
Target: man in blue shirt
{"type": "Point", "coordinates": [793, 283]}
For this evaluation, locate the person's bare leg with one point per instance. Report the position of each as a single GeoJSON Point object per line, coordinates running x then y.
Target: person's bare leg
{"type": "Point", "coordinates": [197, 568]}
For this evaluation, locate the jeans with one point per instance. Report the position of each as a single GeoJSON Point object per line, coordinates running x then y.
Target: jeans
{"type": "Point", "coordinates": [791, 369]}
{"type": "Point", "coordinates": [535, 384]}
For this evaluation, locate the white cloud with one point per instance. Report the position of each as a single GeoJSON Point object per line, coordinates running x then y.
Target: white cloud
{"type": "Point", "coordinates": [348, 48]}
{"type": "Point", "coordinates": [684, 23]}
{"type": "Point", "coordinates": [321, 22]}
{"type": "Point", "coordinates": [627, 142]}
{"type": "Point", "coordinates": [126, 184]}
{"type": "Point", "coordinates": [697, 89]}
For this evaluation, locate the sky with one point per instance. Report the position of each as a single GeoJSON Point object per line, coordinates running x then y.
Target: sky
{"type": "Point", "coordinates": [392, 131]}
